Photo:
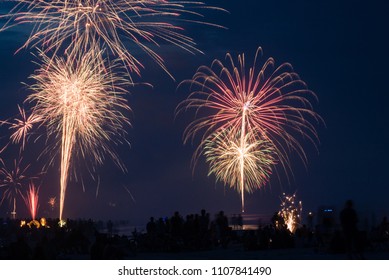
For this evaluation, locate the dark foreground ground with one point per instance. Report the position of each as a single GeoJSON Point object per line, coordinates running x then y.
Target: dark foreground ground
{"type": "Point", "coordinates": [238, 253]}
{"type": "Point", "coordinates": [180, 239]}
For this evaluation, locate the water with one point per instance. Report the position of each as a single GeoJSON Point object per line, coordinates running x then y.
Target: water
{"type": "Point", "coordinates": [250, 222]}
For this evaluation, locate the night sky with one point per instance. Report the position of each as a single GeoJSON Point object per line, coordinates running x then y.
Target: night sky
{"type": "Point", "coordinates": [339, 48]}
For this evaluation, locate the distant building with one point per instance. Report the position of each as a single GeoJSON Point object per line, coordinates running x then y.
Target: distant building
{"type": "Point", "coordinates": [327, 217]}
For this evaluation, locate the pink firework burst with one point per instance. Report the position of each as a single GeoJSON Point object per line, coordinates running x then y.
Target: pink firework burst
{"type": "Point", "coordinates": [261, 103]}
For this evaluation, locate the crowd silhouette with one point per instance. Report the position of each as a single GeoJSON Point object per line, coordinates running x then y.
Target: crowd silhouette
{"type": "Point", "coordinates": [195, 232]}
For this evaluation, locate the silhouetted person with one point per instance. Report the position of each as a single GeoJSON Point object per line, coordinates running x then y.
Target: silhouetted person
{"type": "Point", "coordinates": [240, 221]}
{"type": "Point", "coordinates": [176, 223]}
{"type": "Point", "coordinates": [151, 227]}
{"type": "Point", "coordinates": [222, 226]}
{"type": "Point", "coordinates": [204, 233]}
{"type": "Point", "coordinates": [349, 220]}
{"type": "Point", "coordinates": [204, 221]}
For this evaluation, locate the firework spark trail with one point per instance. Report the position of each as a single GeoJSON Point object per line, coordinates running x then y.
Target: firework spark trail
{"type": "Point", "coordinates": [246, 166]}
{"type": "Point", "coordinates": [1, 151]}
{"type": "Point", "coordinates": [272, 101]}
{"type": "Point", "coordinates": [80, 24]}
{"type": "Point", "coordinates": [129, 193]}
{"type": "Point", "coordinates": [80, 101]}
{"type": "Point", "coordinates": [32, 200]}
{"type": "Point", "coordinates": [242, 147]}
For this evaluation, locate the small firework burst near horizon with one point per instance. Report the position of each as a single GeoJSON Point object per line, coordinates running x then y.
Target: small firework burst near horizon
{"type": "Point", "coordinates": [267, 101]}
{"type": "Point", "coordinates": [122, 27]}
{"type": "Point", "coordinates": [52, 202]}
{"type": "Point", "coordinates": [12, 181]}
{"type": "Point", "coordinates": [32, 200]}
{"type": "Point", "coordinates": [81, 102]}
{"type": "Point", "coordinates": [290, 212]}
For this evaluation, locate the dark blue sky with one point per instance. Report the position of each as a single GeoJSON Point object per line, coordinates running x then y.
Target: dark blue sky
{"type": "Point", "coordinates": [339, 48]}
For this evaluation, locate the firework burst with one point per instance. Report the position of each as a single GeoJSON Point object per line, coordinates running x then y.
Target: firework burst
{"type": "Point", "coordinates": [21, 126]}
{"type": "Point", "coordinates": [244, 165]}
{"type": "Point", "coordinates": [113, 24]}
{"type": "Point", "coordinates": [81, 103]}
{"type": "Point", "coordinates": [12, 181]}
{"type": "Point", "coordinates": [268, 102]}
